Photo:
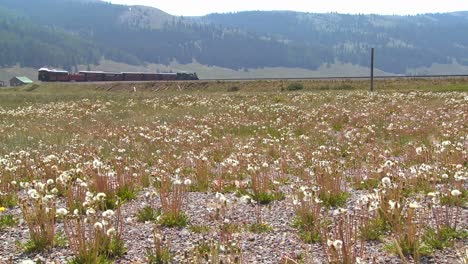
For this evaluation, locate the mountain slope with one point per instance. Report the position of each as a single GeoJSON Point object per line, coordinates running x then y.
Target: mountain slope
{"type": "Point", "coordinates": [125, 39]}
{"type": "Point", "coordinates": [402, 41]}
{"type": "Point", "coordinates": [27, 44]}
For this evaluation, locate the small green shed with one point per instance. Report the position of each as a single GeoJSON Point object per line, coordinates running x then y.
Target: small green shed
{"type": "Point", "coordinates": [19, 81]}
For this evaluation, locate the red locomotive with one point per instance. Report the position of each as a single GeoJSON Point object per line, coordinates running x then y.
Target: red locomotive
{"type": "Point", "coordinates": [48, 75]}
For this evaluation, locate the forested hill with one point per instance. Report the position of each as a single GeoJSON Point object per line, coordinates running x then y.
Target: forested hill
{"type": "Point", "coordinates": [67, 33]}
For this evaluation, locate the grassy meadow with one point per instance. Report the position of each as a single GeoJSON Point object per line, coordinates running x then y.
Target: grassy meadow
{"type": "Point", "coordinates": [235, 172]}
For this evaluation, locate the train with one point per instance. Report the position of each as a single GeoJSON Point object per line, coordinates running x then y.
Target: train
{"type": "Point", "coordinates": [52, 75]}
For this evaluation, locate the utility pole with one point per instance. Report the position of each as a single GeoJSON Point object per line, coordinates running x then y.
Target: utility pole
{"type": "Point", "coordinates": [372, 71]}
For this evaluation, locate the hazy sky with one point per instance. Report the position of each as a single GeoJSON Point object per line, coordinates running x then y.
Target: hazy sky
{"type": "Point", "coordinates": [203, 7]}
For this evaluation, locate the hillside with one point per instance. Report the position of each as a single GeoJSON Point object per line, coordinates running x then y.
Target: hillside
{"type": "Point", "coordinates": [72, 33]}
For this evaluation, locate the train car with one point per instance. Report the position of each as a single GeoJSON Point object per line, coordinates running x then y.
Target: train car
{"type": "Point", "coordinates": [150, 77]}
{"type": "Point", "coordinates": [93, 76]}
{"type": "Point", "coordinates": [168, 76]}
{"type": "Point", "coordinates": [113, 77]}
{"type": "Point", "coordinates": [52, 75]}
{"type": "Point", "coordinates": [132, 76]}
{"type": "Point", "coordinates": [77, 77]}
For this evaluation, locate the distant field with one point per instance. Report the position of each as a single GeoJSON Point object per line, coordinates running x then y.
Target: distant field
{"type": "Point", "coordinates": [275, 86]}
{"type": "Point", "coordinates": [238, 172]}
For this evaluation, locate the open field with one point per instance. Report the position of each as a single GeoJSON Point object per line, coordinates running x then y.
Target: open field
{"type": "Point", "coordinates": [238, 172]}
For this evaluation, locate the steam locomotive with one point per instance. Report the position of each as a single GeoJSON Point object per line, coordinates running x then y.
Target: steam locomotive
{"type": "Point", "coordinates": [52, 75]}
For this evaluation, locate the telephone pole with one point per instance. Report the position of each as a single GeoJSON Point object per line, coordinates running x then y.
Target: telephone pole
{"type": "Point", "coordinates": [372, 71]}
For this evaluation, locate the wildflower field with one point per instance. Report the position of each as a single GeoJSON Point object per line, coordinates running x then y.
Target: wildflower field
{"type": "Point", "coordinates": [235, 172]}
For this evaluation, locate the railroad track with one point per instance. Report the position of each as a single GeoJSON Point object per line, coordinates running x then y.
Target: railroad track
{"type": "Point", "coordinates": [444, 76]}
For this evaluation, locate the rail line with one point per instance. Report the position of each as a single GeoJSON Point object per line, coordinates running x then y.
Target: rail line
{"type": "Point", "coordinates": [443, 76]}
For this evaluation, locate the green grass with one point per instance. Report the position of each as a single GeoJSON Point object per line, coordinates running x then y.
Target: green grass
{"type": "Point", "coordinates": [8, 200]}
{"type": "Point", "coordinates": [461, 200]}
{"type": "Point", "coordinates": [267, 197]}
{"type": "Point", "coordinates": [170, 220]}
{"type": "Point", "coordinates": [374, 230]}
{"type": "Point", "coordinates": [126, 193]}
{"type": "Point", "coordinates": [308, 227]}
{"type": "Point", "coordinates": [35, 246]}
{"type": "Point", "coordinates": [147, 213]}
{"type": "Point", "coordinates": [162, 256]}
{"type": "Point", "coordinates": [7, 220]}
{"type": "Point", "coordinates": [443, 238]}
{"type": "Point", "coordinates": [60, 239]}
{"type": "Point", "coordinates": [199, 229]}
{"type": "Point", "coordinates": [334, 199]}
{"type": "Point", "coordinates": [259, 228]}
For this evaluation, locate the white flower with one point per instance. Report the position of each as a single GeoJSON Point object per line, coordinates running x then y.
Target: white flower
{"type": "Point", "coordinates": [62, 212]}
{"type": "Point", "coordinates": [100, 196]}
{"type": "Point", "coordinates": [220, 197]}
{"type": "Point", "coordinates": [392, 204]}
{"type": "Point", "coordinates": [419, 150]}
{"type": "Point", "coordinates": [33, 194]}
{"type": "Point", "coordinates": [90, 211]}
{"type": "Point", "coordinates": [226, 220]}
{"type": "Point", "coordinates": [97, 226]}
{"type": "Point", "coordinates": [108, 214]}
{"type": "Point", "coordinates": [386, 181]}
{"type": "Point", "coordinates": [177, 182]}
{"type": "Point", "coordinates": [110, 231]}
{"type": "Point", "coordinates": [76, 212]}
{"type": "Point", "coordinates": [339, 211]}
{"type": "Point", "coordinates": [455, 193]}
{"type": "Point", "coordinates": [329, 242]}
{"type": "Point", "coordinates": [414, 205]}
{"type": "Point", "coordinates": [337, 244]}
{"type": "Point", "coordinates": [50, 182]}
{"type": "Point", "coordinates": [97, 164]}
{"type": "Point", "coordinates": [187, 182]}
{"type": "Point", "coordinates": [27, 261]}
{"type": "Point", "coordinates": [47, 198]}
{"type": "Point", "coordinates": [295, 202]}
{"type": "Point", "coordinates": [245, 199]}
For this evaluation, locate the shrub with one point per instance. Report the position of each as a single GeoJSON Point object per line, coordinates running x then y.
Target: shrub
{"type": "Point", "coordinates": [295, 87]}
{"type": "Point", "coordinates": [38, 211]}
{"type": "Point", "coordinates": [233, 89]}
{"type": "Point", "coordinates": [160, 254]}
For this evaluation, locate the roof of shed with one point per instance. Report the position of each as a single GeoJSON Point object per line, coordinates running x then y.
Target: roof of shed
{"type": "Point", "coordinates": [24, 79]}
